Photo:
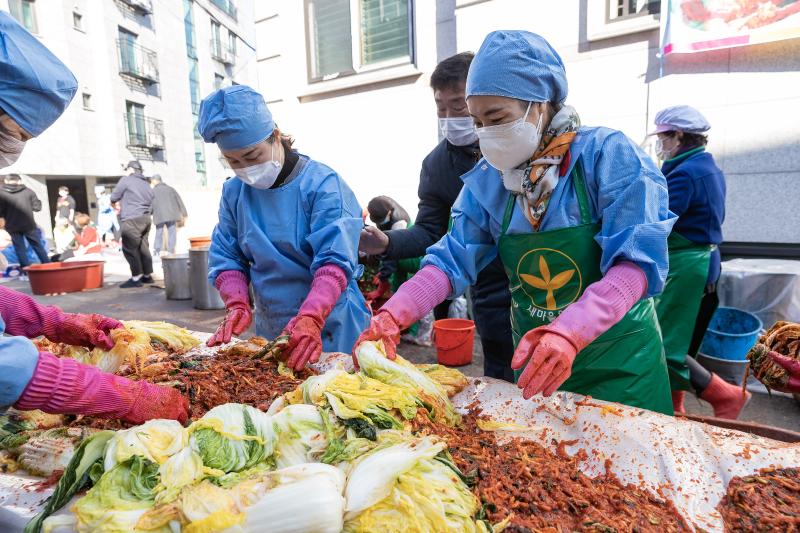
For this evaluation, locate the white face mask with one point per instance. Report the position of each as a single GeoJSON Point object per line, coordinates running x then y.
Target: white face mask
{"type": "Point", "coordinates": [262, 175]}
{"type": "Point", "coordinates": [662, 152]}
{"type": "Point", "coordinates": [460, 131]}
{"type": "Point", "coordinates": [507, 146]}
{"type": "Point", "coordinates": [10, 149]}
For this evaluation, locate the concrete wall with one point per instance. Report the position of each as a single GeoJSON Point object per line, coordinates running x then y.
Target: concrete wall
{"type": "Point", "coordinates": [376, 133]}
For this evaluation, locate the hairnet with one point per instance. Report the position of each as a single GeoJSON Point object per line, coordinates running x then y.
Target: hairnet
{"type": "Point", "coordinates": [681, 118]}
{"type": "Point", "coordinates": [517, 64]}
{"type": "Point", "coordinates": [235, 117]}
{"type": "Point", "coordinates": [35, 86]}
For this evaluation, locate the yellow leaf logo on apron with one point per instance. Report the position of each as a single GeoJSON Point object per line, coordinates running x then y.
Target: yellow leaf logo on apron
{"type": "Point", "coordinates": [558, 290]}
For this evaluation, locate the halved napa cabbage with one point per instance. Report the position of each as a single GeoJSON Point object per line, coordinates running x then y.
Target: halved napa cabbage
{"type": "Point", "coordinates": [155, 440]}
{"type": "Point", "coordinates": [405, 488]}
{"type": "Point", "coordinates": [357, 396]}
{"type": "Point", "coordinates": [119, 498]}
{"type": "Point", "coordinates": [232, 437]}
{"type": "Point", "coordinates": [299, 435]}
{"type": "Point", "coordinates": [373, 362]}
{"type": "Point", "coordinates": [451, 379]}
{"type": "Point", "coordinates": [172, 337]}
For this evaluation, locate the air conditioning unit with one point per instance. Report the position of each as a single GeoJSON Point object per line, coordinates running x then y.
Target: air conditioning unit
{"type": "Point", "coordinates": [143, 5]}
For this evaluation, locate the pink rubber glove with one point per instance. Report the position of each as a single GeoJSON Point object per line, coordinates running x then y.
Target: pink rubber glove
{"type": "Point", "coordinates": [233, 287]}
{"type": "Point", "coordinates": [549, 351]}
{"type": "Point", "coordinates": [67, 386]}
{"type": "Point", "coordinates": [305, 329]}
{"type": "Point", "coordinates": [413, 300]}
{"type": "Point", "coordinates": [25, 317]}
{"type": "Point", "coordinates": [792, 366]}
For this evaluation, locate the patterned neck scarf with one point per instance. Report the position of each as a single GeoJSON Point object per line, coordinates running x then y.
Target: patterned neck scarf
{"type": "Point", "coordinates": [541, 174]}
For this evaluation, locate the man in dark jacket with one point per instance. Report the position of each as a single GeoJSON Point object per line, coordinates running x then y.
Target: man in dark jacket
{"type": "Point", "coordinates": [136, 198]}
{"type": "Point", "coordinates": [17, 205]}
{"type": "Point", "coordinates": [439, 185]}
{"type": "Point", "coordinates": [168, 210]}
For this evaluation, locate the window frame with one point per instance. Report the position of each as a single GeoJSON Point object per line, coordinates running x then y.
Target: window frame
{"type": "Point", "coordinates": [216, 37]}
{"type": "Point", "coordinates": [356, 48]}
{"type": "Point", "coordinates": [600, 26]}
{"type": "Point", "coordinates": [77, 21]}
{"type": "Point", "coordinates": [17, 5]}
{"type": "Point", "coordinates": [131, 113]}
{"type": "Point", "coordinates": [86, 101]}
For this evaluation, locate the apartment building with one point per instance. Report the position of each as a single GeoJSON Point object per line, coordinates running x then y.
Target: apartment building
{"type": "Point", "coordinates": [143, 66]}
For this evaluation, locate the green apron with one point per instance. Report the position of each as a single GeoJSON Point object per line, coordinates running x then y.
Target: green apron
{"type": "Point", "coordinates": [547, 271]}
{"type": "Point", "coordinates": [679, 303]}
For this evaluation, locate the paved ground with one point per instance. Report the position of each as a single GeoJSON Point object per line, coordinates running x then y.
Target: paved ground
{"type": "Point", "coordinates": [150, 303]}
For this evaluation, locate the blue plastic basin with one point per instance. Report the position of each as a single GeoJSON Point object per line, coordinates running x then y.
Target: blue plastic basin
{"type": "Point", "coordinates": [731, 334]}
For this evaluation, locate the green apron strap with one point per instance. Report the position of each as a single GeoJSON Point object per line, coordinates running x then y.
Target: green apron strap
{"type": "Point", "coordinates": [580, 192]}
{"type": "Point", "coordinates": [507, 215]}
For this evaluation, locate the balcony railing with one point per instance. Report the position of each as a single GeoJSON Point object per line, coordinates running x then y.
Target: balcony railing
{"type": "Point", "coordinates": [227, 7]}
{"type": "Point", "coordinates": [137, 61]}
{"type": "Point", "coordinates": [222, 53]}
{"type": "Point", "coordinates": [144, 132]}
{"type": "Point", "coordinates": [143, 6]}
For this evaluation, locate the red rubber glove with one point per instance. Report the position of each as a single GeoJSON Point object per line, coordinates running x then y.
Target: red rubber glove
{"type": "Point", "coordinates": [382, 288]}
{"type": "Point", "coordinates": [305, 330]}
{"type": "Point", "coordinates": [382, 327]}
{"type": "Point", "coordinates": [82, 330]}
{"type": "Point", "coordinates": [550, 350]}
{"type": "Point", "coordinates": [27, 318]}
{"type": "Point", "coordinates": [413, 300]}
{"type": "Point", "coordinates": [233, 288]}
{"type": "Point", "coordinates": [792, 366]}
{"type": "Point", "coordinates": [67, 386]}
{"type": "Point", "coordinates": [549, 358]}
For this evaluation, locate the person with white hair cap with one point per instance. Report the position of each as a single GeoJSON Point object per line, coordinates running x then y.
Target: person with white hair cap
{"type": "Point", "coordinates": [579, 217]}
{"type": "Point", "coordinates": [685, 306]}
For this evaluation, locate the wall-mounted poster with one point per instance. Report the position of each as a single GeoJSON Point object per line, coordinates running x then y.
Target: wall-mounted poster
{"type": "Point", "coordinates": [699, 25]}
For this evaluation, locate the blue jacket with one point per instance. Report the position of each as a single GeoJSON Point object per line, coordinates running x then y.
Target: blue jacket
{"type": "Point", "coordinates": [697, 195]}
{"type": "Point", "coordinates": [627, 193]}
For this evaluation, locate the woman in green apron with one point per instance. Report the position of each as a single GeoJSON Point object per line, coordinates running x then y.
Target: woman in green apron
{"type": "Point", "coordinates": [580, 219]}
{"type": "Point", "coordinates": [685, 306]}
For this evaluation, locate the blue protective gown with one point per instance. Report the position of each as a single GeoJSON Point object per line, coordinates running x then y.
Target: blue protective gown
{"type": "Point", "coordinates": [628, 194]}
{"type": "Point", "coordinates": [18, 359]}
{"type": "Point", "coordinates": [280, 237]}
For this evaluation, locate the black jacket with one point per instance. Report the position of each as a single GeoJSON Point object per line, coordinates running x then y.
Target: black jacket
{"type": "Point", "coordinates": [167, 205]}
{"type": "Point", "coordinates": [136, 196]}
{"type": "Point", "coordinates": [17, 205]}
{"type": "Point", "coordinates": [439, 186]}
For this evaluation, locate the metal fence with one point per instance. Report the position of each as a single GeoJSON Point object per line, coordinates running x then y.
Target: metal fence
{"type": "Point", "coordinates": [144, 131]}
{"type": "Point", "coordinates": [136, 60]}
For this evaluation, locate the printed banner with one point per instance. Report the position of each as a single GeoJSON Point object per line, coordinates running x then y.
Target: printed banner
{"type": "Point", "coordinates": [698, 25]}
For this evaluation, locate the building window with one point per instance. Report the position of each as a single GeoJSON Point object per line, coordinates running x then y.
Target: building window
{"type": "Point", "coordinates": [127, 51]}
{"type": "Point", "coordinates": [25, 12]}
{"type": "Point", "coordinates": [219, 81]}
{"type": "Point", "coordinates": [626, 9]}
{"type": "Point", "coordinates": [216, 40]}
{"type": "Point", "coordinates": [137, 132]}
{"type": "Point", "coordinates": [227, 7]}
{"type": "Point", "coordinates": [232, 43]}
{"type": "Point", "coordinates": [350, 36]}
{"type": "Point", "coordinates": [77, 21]}
{"type": "Point", "coordinates": [87, 101]}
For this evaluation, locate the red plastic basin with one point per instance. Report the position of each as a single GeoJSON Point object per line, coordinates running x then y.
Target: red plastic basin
{"type": "Point", "coordinates": [75, 276]}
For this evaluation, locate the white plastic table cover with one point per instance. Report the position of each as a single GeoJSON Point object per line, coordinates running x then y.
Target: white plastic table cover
{"type": "Point", "coordinates": [690, 462]}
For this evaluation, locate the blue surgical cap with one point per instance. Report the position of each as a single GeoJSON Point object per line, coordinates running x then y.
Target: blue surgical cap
{"type": "Point", "coordinates": [235, 117]}
{"type": "Point", "coordinates": [35, 87]}
{"type": "Point", "coordinates": [517, 64]}
{"type": "Point", "coordinates": [681, 118]}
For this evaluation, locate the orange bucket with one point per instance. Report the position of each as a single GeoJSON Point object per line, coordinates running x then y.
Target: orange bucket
{"type": "Point", "coordinates": [454, 339]}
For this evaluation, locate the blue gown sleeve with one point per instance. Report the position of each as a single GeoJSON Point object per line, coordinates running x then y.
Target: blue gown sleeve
{"type": "Point", "coordinates": [18, 359]}
{"type": "Point", "coordinates": [335, 225]}
{"type": "Point", "coordinates": [634, 208]}
{"type": "Point", "coordinates": [224, 252]}
{"type": "Point", "coordinates": [467, 248]}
